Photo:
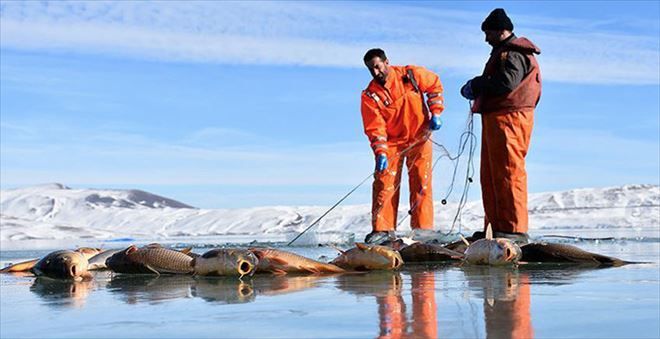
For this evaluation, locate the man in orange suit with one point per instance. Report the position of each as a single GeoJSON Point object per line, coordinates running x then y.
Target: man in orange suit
{"type": "Point", "coordinates": [398, 125]}
{"type": "Point", "coordinates": [506, 95]}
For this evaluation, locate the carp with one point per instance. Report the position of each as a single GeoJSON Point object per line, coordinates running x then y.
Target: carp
{"type": "Point", "coordinates": [563, 253]}
{"type": "Point", "coordinates": [492, 251]}
{"type": "Point", "coordinates": [365, 257]}
{"type": "Point", "coordinates": [421, 252]}
{"type": "Point", "coordinates": [225, 262]}
{"type": "Point", "coordinates": [62, 265]}
{"type": "Point", "coordinates": [151, 259]}
{"type": "Point", "coordinates": [282, 262]}
{"type": "Point", "coordinates": [27, 265]}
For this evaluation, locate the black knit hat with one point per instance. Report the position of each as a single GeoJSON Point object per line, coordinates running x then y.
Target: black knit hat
{"type": "Point", "coordinates": [497, 21]}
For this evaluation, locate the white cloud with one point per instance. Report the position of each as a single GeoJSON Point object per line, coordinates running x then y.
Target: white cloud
{"type": "Point", "coordinates": [320, 34]}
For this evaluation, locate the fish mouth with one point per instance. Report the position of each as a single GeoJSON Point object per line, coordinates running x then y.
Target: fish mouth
{"type": "Point", "coordinates": [509, 255]}
{"type": "Point", "coordinates": [73, 270]}
{"type": "Point", "coordinates": [397, 262]}
{"type": "Point", "coordinates": [245, 267]}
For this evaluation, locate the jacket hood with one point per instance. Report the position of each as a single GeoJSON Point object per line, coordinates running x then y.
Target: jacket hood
{"type": "Point", "coordinates": [523, 45]}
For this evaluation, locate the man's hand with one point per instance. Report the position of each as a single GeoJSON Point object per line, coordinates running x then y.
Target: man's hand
{"type": "Point", "coordinates": [466, 90]}
{"type": "Point", "coordinates": [381, 162]}
{"type": "Point", "coordinates": [435, 122]}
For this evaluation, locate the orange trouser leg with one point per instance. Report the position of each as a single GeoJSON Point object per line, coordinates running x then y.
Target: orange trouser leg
{"type": "Point", "coordinates": [419, 163]}
{"type": "Point", "coordinates": [386, 188]}
{"type": "Point", "coordinates": [487, 189]}
{"type": "Point", "coordinates": [522, 319]}
{"type": "Point", "coordinates": [425, 310]}
{"type": "Point", "coordinates": [507, 136]}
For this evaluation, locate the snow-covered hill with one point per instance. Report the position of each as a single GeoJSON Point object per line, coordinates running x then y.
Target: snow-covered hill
{"type": "Point", "coordinates": [55, 211]}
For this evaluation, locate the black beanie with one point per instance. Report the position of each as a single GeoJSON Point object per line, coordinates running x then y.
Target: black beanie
{"type": "Point", "coordinates": [497, 21]}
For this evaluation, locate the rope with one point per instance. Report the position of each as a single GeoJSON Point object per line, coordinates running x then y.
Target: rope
{"type": "Point", "coordinates": [328, 211]}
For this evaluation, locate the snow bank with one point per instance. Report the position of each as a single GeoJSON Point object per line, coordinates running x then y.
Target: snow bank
{"type": "Point", "coordinates": [55, 211]}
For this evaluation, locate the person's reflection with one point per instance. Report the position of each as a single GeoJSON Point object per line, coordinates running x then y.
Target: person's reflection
{"type": "Point", "coordinates": [386, 287]}
{"type": "Point", "coordinates": [506, 294]}
{"type": "Point", "coordinates": [58, 292]}
{"type": "Point", "coordinates": [425, 319]}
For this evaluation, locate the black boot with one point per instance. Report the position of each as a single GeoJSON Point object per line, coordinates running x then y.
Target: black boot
{"type": "Point", "coordinates": [379, 237]}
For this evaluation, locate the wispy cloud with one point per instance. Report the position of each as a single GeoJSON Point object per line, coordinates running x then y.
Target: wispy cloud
{"type": "Point", "coordinates": [321, 34]}
{"type": "Point", "coordinates": [112, 157]}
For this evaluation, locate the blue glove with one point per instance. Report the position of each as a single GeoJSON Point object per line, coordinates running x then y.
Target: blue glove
{"type": "Point", "coordinates": [466, 90]}
{"type": "Point", "coordinates": [435, 122]}
{"type": "Point", "coordinates": [381, 162]}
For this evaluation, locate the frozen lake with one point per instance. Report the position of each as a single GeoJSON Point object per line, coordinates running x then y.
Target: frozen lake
{"type": "Point", "coordinates": [418, 301]}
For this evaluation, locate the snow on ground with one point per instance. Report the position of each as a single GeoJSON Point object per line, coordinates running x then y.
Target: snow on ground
{"type": "Point", "coordinates": [55, 211]}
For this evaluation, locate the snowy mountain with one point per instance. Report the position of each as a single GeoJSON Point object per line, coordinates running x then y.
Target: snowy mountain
{"type": "Point", "coordinates": [55, 211]}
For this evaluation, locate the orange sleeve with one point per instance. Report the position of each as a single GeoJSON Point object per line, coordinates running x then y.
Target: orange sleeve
{"type": "Point", "coordinates": [374, 124]}
{"type": "Point", "coordinates": [430, 84]}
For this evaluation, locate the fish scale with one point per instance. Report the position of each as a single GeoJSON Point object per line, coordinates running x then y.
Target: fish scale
{"type": "Point", "coordinates": [164, 260]}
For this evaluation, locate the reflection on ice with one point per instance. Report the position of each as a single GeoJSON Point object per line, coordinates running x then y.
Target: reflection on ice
{"type": "Point", "coordinates": [223, 290]}
{"type": "Point", "coordinates": [62, 293]}
{"type": "Point", "coordinates": [138, 288]}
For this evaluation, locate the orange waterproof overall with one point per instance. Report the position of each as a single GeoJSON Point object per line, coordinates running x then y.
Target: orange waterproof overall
{"type": "Point", "coordinates": [507, 122]}
{"type": "Point", "coordinates": [396, 125]}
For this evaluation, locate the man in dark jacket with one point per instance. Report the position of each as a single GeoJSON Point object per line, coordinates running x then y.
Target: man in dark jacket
{"type": "Point", "coordinates": [506, 95]}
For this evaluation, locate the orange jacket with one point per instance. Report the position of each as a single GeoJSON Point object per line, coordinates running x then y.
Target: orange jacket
{"type": "Point", "coordinates": [393, 114]}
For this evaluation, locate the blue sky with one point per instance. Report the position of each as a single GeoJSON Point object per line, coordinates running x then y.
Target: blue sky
{"type": "Point", "coordinates": [235, 104]}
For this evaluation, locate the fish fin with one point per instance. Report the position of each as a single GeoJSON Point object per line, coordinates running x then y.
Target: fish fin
{"type": "Point", "coordinates": [361, 246]}
{"type": "Point", "coordinates": [278, 271]}
{"type": "Point", "coordinates": [186, 250]}
{"type": "Point", "coordinates": [23, 266]}
{"type": "Point", "coordinates": [490, 301]}
{"type": "Point", "coordinates": [130, 249]}
{"type": "Point", "coordinates": [278, 261]}
{"type": "Point", "coordinates": [464, 240]}
{"type": "Point", "coordinates": [152, 270]}
{"type": "Point", "coordinates": [312, 269]}
{"type": "Point", "coordinates": [489, 232]}
{"type": "Point", "coordinates": [257, 253]}
{"type": "Point", "coordinates": [337, 248]}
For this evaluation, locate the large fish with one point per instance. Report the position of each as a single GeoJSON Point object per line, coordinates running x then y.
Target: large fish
{"type": "Point", "coordinates": [27, 265]}
{"type": "Point", "coordinates": [151, 259]}
{"type": "Point", "coordinates": [563, 253]}
{"type": "Point", "coordinates": [365, 257]}
{"type": "Point", "coordinates": [62, 265]}
{"type": "Point", "coordinates": [225, 262]}
{"type": "Point", "coordinates": [282, 262]}
{"type": "Point", "coordinates": [421, 252]}
{"type": "Point", "coordinates": [492, 251]}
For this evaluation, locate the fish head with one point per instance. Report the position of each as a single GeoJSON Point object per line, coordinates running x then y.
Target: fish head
{"type": "Point", "coordinates": [503, 252]}
{"type": "Point", "coordinates": [122, 259]}
{"type": "Point", "coordinates": [247, 263]}
{"type": "Point", "coordinates": [64, 265]}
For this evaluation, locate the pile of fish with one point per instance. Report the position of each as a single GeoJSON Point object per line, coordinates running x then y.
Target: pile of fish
{"type": "Point", "coordinates": [156, 259]}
